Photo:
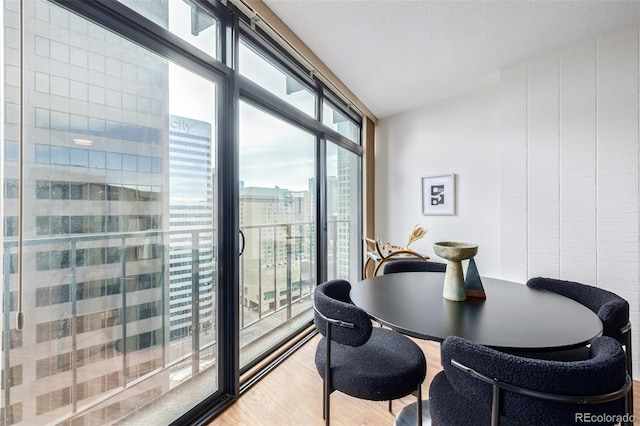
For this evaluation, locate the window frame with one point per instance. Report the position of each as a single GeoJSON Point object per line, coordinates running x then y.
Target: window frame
{"type": "Point", "coordinates": [233, 87]}
{"type": "Point", "coordinates": [270, 103]}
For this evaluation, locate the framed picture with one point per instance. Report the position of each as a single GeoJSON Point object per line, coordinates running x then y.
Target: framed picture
{"type": "Point", "coordinates": [439, 194]}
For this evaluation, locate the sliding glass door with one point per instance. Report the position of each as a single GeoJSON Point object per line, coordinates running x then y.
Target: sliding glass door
{"type": "Point", "coordinates": [277, 219]}
{"type": "Point", "coordinates": [115, 226]}
{"type": "Point", "coordinates": [343, 213]}
{"type": "Point", "coordinates": [133, 155]}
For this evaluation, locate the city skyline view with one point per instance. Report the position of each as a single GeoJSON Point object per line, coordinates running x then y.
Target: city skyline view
{"type": "Point", "coordinates": [111, 207]}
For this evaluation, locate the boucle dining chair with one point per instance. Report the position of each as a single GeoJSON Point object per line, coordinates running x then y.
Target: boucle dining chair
{"type": "Point", "coordinates": [612, 310]}
{"type": "Point", "coordinates": [363, 361]}
{"type": "Point", "coordinates": [481, 386]}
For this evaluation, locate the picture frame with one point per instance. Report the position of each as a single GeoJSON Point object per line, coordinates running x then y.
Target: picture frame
{"type": "Point", "coordinates": [439, 195]}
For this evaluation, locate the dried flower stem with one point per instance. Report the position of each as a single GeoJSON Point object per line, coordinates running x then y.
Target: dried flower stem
{"type": "Point", "coordinates": [416, 233]}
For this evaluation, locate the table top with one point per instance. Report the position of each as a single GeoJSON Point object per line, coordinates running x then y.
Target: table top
{"type": "Point", "coordinates": [513, 317]}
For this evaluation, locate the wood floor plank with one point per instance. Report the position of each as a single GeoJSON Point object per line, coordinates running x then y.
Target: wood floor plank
{"type": "Point", "coordinates": [292, 395]}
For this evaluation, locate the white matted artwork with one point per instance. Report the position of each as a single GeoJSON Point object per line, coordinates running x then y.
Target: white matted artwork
{"type": "Point", "coordinates": [438, 194]}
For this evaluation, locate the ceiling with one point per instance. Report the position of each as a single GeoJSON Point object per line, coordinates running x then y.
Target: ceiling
{"type": "Point", "coordinates": [398, 55]}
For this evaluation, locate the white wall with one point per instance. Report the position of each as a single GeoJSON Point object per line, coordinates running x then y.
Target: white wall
{"type": "Point", "coordinates": [548, 168]}
{"type": "Point", "coordinates": [460, 136]}
{"type": "Point", "coordinates": [570, 167]}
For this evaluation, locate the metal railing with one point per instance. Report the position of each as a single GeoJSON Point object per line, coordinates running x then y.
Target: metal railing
{"type": "Point", "coordinates": [284, 263]}
{"type": "Point", "coordinates": [274, 252]}
{"type": "Point", "coordinates": [150, 249]}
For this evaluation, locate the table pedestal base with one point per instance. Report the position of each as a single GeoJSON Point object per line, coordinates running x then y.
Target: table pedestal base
{"type": "Point", "coordinates": [408, 415]}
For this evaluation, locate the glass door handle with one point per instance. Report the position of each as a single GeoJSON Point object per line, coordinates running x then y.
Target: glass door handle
{"type": "Point", "coordinates": [242, 239]}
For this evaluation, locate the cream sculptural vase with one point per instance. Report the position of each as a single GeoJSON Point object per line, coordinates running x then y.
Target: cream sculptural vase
{"type": "Point", "coordinates": [454, 253]}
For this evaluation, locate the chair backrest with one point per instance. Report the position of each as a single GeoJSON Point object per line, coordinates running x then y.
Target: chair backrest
{"type": "Point", "coordinates": [612, 309]}
{"type": "Point", "coordinates": [375, 246]}
{"type": "Point", "coordinates": [396, 266]}
{"type": "Point", "coordinates": [331, 301]}
{"type": "Point", "coordinates": [604, 372]}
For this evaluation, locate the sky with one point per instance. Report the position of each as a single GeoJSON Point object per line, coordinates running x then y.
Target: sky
{"type": "Point", "coordinates": [272, 152]}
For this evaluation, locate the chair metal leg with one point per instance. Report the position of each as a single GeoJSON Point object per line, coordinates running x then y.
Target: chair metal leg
{"type": "Point", "coordinates": [628, 399]}
{"type": "Point", "coordinates": [324, 401]}
{"type": "Point", "coordinates": [327, 377]}
{"type": "Point", "coordinates": [326, 412]}
{"type": "Point", "coordinates": [419, 404]}
{"type": "Point", "coordinates": [390, 402]}
{"type": "Point", "coordinates": [495, 406]}
{"type": "Point", "coordinates": [326, 398]}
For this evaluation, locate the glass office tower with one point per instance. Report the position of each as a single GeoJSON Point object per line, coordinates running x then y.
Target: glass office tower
{"type": "Point", "coordinates": [112, 215]}
{"type": "Point", "coordinates": [117, 215]}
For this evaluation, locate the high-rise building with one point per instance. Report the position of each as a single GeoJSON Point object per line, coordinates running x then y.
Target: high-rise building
{"type": "Point", "coordinates": [283, 255]}
{"type": "Point", "coordinates": [191, 226]}
{"type": "Point", "coordinates": [94, 206]}
{"type": "Point", "coordinates": [113, 115]}
{"type": "Point", "coordinates": [345, 188]}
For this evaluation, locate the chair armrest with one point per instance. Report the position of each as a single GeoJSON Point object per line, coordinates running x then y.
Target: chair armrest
{"type": "Point", "coordinates": [569, 399]}
{"type": "Point", "coordinates": [333, 321]}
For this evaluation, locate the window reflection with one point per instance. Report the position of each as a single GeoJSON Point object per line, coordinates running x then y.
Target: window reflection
{"type": "Point", "coordinates": [120, 238]}
{"type": "Point", "coordinates": [269, 76]}
{"type": "Point", "coordinates": [332, 117]}
{"type": "Point", "coordinates": [110, 269]}
{"type": "Point", "coordinates": [186, 19]}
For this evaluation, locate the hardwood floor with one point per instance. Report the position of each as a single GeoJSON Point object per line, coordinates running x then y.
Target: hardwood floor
{"type": "Point", "coordinates": [292, 395]}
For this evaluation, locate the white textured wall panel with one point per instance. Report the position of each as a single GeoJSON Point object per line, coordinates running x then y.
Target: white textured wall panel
{"type": "Point", "coordinates": [513, 173]}
{"type": "Point", "coordinates": [617, 161]}
{"type": "Point", "coordinates": [581, 168]}
{"type": "Point", "coordinates": [578, 210]}
{"type": "Point", "coordinates": [543, 157]}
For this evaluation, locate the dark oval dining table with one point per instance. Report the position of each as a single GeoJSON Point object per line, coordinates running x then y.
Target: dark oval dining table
{"type": "Point", "coordinates": [513, 317]}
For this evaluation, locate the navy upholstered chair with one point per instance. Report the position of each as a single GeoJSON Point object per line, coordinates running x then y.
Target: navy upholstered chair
{"type": "Point", "coordinates": [365, 362]}
{"type": "Point", "coordinates": [482, 386]}
{"type": "Point", "coordinates": [395, 266]}
{"type": "Point", "coordinates": [612, 310]}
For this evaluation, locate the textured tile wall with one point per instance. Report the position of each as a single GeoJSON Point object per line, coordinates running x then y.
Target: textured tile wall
{"type": "Point", "coordinates": [570, 167]}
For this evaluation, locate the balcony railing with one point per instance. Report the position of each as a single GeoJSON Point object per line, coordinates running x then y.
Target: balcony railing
{"type": "Point", "coordinates": [97, 277]}
{"type": "Point", "coordinates": [277, 280]}
{"type": "Point", "coordinates": [278, 266]}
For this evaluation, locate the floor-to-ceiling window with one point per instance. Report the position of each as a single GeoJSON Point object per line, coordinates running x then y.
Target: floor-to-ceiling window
{"type": "Point", "coordinates": [277, 267]}
{"type": "Point", "coordinates": [343, 182]}
{"type": "Point", "coordinates": [295, 148]}
{"type": "Point", "coordinates": [117, 166]}
{"type": "Point", "coordinates": [116, 163]}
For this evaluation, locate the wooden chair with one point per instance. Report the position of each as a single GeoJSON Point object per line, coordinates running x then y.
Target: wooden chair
{"type": "Point", "coordinates": [377, 256]}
